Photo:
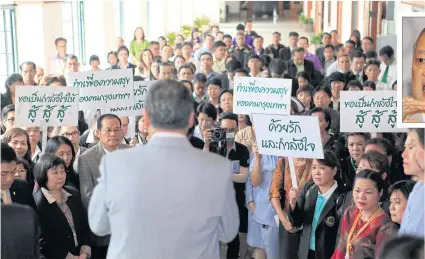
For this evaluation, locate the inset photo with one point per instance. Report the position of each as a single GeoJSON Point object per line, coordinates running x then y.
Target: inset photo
{"type": "Point", "coordinates": [411, 52]}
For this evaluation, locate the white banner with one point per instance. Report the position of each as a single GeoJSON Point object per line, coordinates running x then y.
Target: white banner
{"type": "Point", "coordinates": [372, 111]}
{"type": "Point", "coordinates": [262, 95]}
{"type": "Point", "coordinates": [104, 89]}
{"type": "Point", "coordinates": [140, 91]}
{"type": "Point", "coordinates": [288, 136]}
{"type": "Point", "coordinates": [46, 106]}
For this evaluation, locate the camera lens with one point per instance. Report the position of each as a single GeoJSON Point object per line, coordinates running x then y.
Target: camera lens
{"type": "Point", "coordinates": [217, 135]}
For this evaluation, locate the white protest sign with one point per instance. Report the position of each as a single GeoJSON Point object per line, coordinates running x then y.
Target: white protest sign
{"type": "Point", "coordinates": [371, 111]}
{"type": "Point", "coordinates": [46, 106]}
{"type": "Point", "coordinates": [262, 95]}
{"type": "Point", "coordinates": [103, 89]}
{"type": "Point", "coordinates": [140, 91]}
{"type": "Point", "coordinates": [288, 136]}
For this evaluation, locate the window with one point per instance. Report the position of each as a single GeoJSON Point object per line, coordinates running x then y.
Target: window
{"type": "Point", "coordinates": [119, 18]}
{"type": "Point", "coordinates": [73, 29]}
{"type": "Point", "coordinates": [8, 44]}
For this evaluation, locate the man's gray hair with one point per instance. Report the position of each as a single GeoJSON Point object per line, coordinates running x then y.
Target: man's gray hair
{"type": "Point", "coordinates": [416, 42]}
{"type": "Point", "coordinates": [169, 105]}
{"type": "Point", "coordinates": [71, 56]}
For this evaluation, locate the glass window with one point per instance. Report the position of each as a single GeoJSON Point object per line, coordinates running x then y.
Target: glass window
{"type": "Point", "coordinates": [8, 44]}
{"type": "Point", "coordinates": [73, 28]}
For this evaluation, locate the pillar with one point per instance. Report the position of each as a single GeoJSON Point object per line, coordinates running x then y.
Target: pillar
{"type": "Point", "coordinates": [99, 29]}
{"type": "Point", "coordinates": [136, 15]}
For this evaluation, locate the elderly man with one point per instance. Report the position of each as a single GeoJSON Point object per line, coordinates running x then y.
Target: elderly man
{"type": "Point", "coordinates": [180, 205]}
{"type": "Point", "coordinates": [416, 106]}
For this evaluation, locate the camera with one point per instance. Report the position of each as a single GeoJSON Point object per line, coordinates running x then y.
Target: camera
{"type": "Point", "coordinates": [218, 144]}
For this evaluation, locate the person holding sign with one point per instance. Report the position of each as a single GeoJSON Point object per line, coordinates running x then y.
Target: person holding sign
{"type": "Point", "coordinates": [365, 227]}
{"type": "Point", "coordinates": [263, 232]}
{"type": "Point", "coordinates": [315, 209]}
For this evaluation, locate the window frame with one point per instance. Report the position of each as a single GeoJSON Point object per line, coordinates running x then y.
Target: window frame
{"type": "Point", "coordinates": [12, 30]}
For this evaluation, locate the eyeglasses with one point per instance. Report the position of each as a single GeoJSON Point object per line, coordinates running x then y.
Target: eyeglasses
{"type": "Point", "coordinates": [73, 134]}
{"type": "Point", "coordinates": [109, 131]}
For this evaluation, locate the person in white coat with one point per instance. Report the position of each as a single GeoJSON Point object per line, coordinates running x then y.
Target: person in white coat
{"type": "Point", "coordinates": [165, 199]}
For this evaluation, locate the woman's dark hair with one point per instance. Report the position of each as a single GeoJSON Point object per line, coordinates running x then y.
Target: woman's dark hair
{"type": "Point", "coordinates": [162, 38]}
{"type": "Point", "coordinates": [141, 58]}
{"type": "Point", "coordinates": [44, 164]}
{"type": "Point", "coordinates": [56, 79]}
{"type": "Point", "coordinates": [370, 84]}
{"type": "Point", "coordinates": [305, 75]}
{"type": "Point", "coordinates": [375, 177]}
{"type": "Point", "coordinates": [112, 53]}
{"type": "Point", "coordinates": [13, 78]}
{"type": "Point", "coordinates": [380, 162]}
{"type": "Point", "coordinates": [6, 109]}
{"type": "Point", "coordinates": [214, 81]}
{"type": "Point", "coordinates": [138, 118]}
{"type": "Point", "coordinates": [330, 160]}
{"type": "Point", "coordinates": [405, 187]}
{"type": "Point", "coordinates": [208, 109]}
{"type": "Point", "coordinates": [178, 56]}
{"type": "Point", "coordinates": [143, 37]}
{"type": "Point", "coordinates": [355, 83]}
{"type": "Point", "coordinates": [52, 146]}
{"type": "Point", "coordinates": [325, 113]}
{"type": "Point", "coordinates": [265, 61]}
{"type": "Point", "coordinates": [27, 167]}
{"type": "Point", "coordinates": [403, 247]}
{"type": "Point", "coordinates": [16, 132]}
{"type": "Point", "coordinates": [421, 135]}
{"type": "Point", "coordinates": [54, 143]}
{"type": "Point", "coordinates": [191, 34]}
{"type": "Point", "coordinates": [358, 42]}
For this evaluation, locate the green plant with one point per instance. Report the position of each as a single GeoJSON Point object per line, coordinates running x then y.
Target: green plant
{"type": "Point", "coordinates": [171, 38]}
{"type": "Point", "coordinates": [201, 21]}
{"type": "Point", "coordinates": [308, 21]}
{"type": "Point", "coordinates": [316, 39]}
{"type": "Point", "coordinates": [301, 17]}
{"type": "Point", "coordinates": [300, 11]}
{"type": "Point", "coordinates": [186, 31]}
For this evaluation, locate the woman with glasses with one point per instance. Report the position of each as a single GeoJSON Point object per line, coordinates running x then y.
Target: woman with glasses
{"type": "Point", "coordinates": [62, 217]}
{"type": "Point", "coordinates": [63, 148]}
{"type": "Point", "coordinates": [24, 171]}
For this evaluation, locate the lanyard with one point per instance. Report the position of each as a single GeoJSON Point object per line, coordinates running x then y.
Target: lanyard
{"type": "Point", "coordinates": [352, 236]}
{"type": "Point", "coordinates": [353, 164]}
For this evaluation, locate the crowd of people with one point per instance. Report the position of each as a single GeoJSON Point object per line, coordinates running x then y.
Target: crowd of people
{"type": "Point", "coordinates": [364, 199]}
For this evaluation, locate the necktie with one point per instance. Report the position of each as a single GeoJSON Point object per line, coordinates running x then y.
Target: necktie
{"type": "Point", "coordinates": [6, 199]}
{"type": "Point", "coordinates": [384, 77]}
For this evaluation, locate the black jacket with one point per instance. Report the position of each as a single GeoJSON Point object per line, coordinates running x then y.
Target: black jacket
{"type": "Point", "coordinates": [56, 235]}
{"type": "Point", "coordinates": [21, 192]}
{"type": "Point", "coordinates": [19, 232]}
{"type": "Point", "coordinates": [316, 76]}
{"type": "Point", "coordinates": [129, 66]}
{"type": "Point", "coordinates": [272, 52]}
{"type": "Point", "coordinates": [327, 226]}
{"type": "Point", "coordinates": [285, 54]}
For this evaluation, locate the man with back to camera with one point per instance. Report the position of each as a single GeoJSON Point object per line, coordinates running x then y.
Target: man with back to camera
{"type": "Point", "coordinates": [239, 155]}
{"type": "Point", "coordinates": [184, 206]}
{"type": "Point", "coordinates": [414, 106]}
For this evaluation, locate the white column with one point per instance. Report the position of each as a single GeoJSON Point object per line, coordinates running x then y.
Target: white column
{"type": "Point", "coordinates": [157, 23]}
{"type": "Point", "coordinates": [36, 33]}
{"type": "Point", "coordinates": [347, 14]}
{"type": "Point", "coordinates": [99, 29]}
{"type": "Point", "coordinates": [362, 17]}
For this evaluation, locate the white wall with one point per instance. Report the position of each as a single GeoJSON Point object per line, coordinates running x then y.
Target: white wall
{"type": "Point", "coordinates": [36, 32]}
{"type": "Point", "coordinates": [401, 8]}
{"type": "Point", "coordinates": [135, 15]}
{"type": "Point", "coordinates": [334, 17]}
{"type": "Point", "coordinates": [362, 17]}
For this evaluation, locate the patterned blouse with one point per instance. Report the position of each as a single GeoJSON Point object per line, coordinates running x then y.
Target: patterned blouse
{"type": "Point", "coordinates": [63, 206]}
{"type": "Point", "coordinates": [369, 243]}
{"type": "Point", "coordinates": [302, 171]}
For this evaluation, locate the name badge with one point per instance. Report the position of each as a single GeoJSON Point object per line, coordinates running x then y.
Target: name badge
{"type": "Point", "coordinates": [236, 167]}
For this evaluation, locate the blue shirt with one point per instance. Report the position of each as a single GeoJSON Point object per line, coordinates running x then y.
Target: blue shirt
{"type": "Point", "coordinates": [264, 212]}
{"type": "Point", "coordinates": [413, 217]}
